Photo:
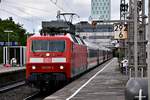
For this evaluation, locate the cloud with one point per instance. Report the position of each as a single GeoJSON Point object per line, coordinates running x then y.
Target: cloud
{"type": "Point", "coordinates": [30, 13]}
{"type": "Point", "coordinates": [82, 2]}
{"type": "Point", "coordinates": [80, 7]}
{"type": "Point", "coordinates": [28, 8]}
{"type": "Point", "coordinates": [115, 9]}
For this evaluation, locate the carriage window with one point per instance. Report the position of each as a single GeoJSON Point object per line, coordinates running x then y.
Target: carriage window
{"type": "Point", "coordinates": [48, 45]}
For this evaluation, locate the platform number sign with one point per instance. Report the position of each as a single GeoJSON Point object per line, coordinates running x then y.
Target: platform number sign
{"type": "Point", "coordinates": [120, 31]}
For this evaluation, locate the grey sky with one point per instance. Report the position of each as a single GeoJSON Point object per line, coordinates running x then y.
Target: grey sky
{"type": "Point", "coordinates": [30, 13]}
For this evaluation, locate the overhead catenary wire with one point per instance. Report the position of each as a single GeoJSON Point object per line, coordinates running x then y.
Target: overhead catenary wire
{"type": "Point", "coordinates": [21, 17]}
{"type": "Point", "coordinates": [29, 19]}
{"type": "Point", "coordinates": [20, 9]}
{"type": "Point", "coordinates": [26, 19]}
{"type": "Point", "coordinates": [11, 3]}
{"type": "Point", "coordinates": [26, 6]}
{"type": "Point", "coordinates": [22, 5]}
{"type": "Point", "coordinates": [77, 18]}
{"type": "Point", "coordinates": [26, 13]}
{"type": "Point", "coordinates": [56, 4]}
{"type": "Point", "coordinates": [9, 12]}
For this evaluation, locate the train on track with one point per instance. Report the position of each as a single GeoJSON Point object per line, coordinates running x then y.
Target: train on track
{"type": "Point", "coordinates": [53, 60]}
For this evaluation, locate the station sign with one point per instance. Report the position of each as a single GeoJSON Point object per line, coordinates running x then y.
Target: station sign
{"type": "Point", "coordinates": [120, 31]}
{"type": "Point", "coordinates": [9, 43]}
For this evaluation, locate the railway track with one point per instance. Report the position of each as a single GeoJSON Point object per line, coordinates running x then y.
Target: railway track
{"type": "Point", "coordinates": [11, 86]}
{"type": "Point", "coordinates": [40, 95]}
{"type": "Point", "coordinates": [31, 97]}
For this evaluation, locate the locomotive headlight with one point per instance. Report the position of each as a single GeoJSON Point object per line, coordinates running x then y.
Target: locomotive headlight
{"type": "Point", "coordinates": [61, 67]}
{"type": "Point", "coordinates": [47, 54]}
{"type": "Point", "coordinates": [33, 67]}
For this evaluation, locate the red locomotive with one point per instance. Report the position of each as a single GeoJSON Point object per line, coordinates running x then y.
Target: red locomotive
{"type": "Point", "coordinates": [59, 58]}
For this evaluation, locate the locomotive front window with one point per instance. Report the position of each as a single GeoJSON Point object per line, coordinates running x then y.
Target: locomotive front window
{"type": "Point", "coordinates": [48, 45]}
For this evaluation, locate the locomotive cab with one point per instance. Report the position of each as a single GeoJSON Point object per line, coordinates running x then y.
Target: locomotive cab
{"type": "Point", "coordinates": [48, 59]}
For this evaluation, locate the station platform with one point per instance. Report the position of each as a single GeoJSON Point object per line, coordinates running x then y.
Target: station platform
{"type": "Point", "coordinates": [9, 75]}
{"type": "Point", "coordinates": [4, 69]}
{"type": "Point", "coordinates": [103, 83]}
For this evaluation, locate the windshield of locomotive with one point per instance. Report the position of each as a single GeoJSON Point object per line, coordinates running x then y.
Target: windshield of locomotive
{"type": "Point", "coordinates": [48, 46]}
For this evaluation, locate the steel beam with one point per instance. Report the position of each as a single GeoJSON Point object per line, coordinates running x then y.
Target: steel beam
{"type": "Point", "coordinates": [135, 39]}
{"type": "Point", "coordinates": [148, 50]}
{"type": "Point", "coordinates": [112, 21]}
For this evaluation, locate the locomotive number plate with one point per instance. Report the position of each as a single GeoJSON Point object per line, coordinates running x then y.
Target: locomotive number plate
{"type": "Point", "coordinates": [47, 60]}
{"type": "Point", "coordinates": [47, 67]}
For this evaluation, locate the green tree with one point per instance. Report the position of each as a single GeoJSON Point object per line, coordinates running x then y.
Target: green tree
{"type": "Point", "coordinates": [18, 34]}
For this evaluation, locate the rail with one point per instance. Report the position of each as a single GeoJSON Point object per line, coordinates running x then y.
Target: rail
{"type": "Point", "coordinates": [32, 96]}
{"type": "Point", "coordinates": [11, 86]}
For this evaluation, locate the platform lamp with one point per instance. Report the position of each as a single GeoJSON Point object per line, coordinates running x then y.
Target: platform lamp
{"type": "Point", "coordinates": [8, 32]}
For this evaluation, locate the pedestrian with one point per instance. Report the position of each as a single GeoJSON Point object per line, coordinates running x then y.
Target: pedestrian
{"type": "Point", "coordinates": [124, 66]}
{"type": "Point", "coordinates": [13, 62]}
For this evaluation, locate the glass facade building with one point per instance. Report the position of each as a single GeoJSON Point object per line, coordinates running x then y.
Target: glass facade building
{"type": "Point", "coordinates": [101, 9]}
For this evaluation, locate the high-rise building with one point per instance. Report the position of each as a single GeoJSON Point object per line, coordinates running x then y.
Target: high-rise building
{"type": "Point", "coordinates": [101, 9]}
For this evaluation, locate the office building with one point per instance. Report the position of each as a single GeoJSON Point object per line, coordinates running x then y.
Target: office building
{"type": "Point", "coordinates": [100, 9]}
